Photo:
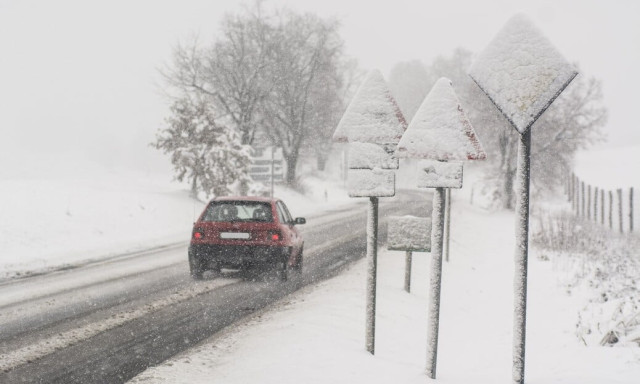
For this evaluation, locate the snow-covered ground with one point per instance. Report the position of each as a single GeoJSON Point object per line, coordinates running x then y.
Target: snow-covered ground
{"type": "Point", "coordinates": [317, 335]}
{"type": "Point", "coordinates": [51, 223]}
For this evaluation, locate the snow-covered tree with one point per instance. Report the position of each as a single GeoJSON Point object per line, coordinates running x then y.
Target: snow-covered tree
{"type": "Point", "coordinates": [207, 154]}
{"type": "Point", "coordinates": [273, 74]}
{"type": "Point", "coordinates": [571, 123]}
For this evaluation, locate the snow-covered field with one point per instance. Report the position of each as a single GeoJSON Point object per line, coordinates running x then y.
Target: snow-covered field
{"type": "Point", "coordinates": [610, 168]}
{"type": "Point", "coordinates": [317, 335]}
{"type": "Point", "coordinates": [51, 223]}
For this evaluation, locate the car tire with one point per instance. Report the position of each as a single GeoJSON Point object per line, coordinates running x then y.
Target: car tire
{"type": "Point", "coordinates": [283, 271]}
{"type": "Point", "coordinates": [195, 268]}
{"type": "Point", "coordinates": [298, 265]}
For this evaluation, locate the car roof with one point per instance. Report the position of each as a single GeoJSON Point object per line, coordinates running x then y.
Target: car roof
{"type": "Point", "coordinates": [247, 198]}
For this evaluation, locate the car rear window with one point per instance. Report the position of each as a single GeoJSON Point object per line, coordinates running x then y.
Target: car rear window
{"type": "Point", "coordinates": [225, 211]}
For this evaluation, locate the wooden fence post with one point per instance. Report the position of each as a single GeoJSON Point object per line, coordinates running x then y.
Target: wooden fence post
{"type": "Point", "coordinates": [620, 209]}
{"type": "Point", "coordinates": [571, 188]}
{"type": "Point", "coordinates": [582, 187]}
{"type": "Point", "coordinates": [602, 208]}
{"type": "Point", "coordinates": [595, 205]}
{"type": "Point", "coordinates": [588, 202]}
{"type": "Point", "coordinates": [610, 209]}
{"type": "Point", "coordinates": [573, 192]}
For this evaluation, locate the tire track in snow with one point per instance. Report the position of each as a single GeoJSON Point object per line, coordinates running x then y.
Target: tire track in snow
{"type": "Point", "coordinates": [66, 339]}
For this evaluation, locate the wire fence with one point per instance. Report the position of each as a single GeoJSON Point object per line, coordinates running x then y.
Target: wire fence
{"type": "Point", "coordinates": [612, 208]}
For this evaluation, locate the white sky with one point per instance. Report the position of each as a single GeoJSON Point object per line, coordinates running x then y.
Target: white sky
{"type": "Point", "coordinates": [80, 78]}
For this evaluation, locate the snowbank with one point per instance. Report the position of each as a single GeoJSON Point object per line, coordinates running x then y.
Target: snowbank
{"type": "Point", "coordinates": [49, 224]}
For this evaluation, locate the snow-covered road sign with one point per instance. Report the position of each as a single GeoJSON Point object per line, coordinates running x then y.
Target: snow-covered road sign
{"type": "Point", "coordinates": [373, 116]}
{"type": "Point", "coordinates": [433, 174]}
{"type": "Point", "coordinates": [371, 183]}
{"type": "Point", "coordinates": [440, 130]}
{"type": "Point", "coordinates": [521, 72]}
{"type": "Point", "coordinates": [372, 125]}
{"type": "Point", "coordinates": [409, 233]}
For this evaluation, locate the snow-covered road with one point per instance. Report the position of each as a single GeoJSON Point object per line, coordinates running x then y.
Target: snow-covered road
{"type": "Point", "coordinates": [107, 321]}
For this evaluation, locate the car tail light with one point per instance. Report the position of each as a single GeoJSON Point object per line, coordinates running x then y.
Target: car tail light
{"type": "Point", "coordinates": [198, 234]}
{"type": "Point", "coordinates": [275, 236]}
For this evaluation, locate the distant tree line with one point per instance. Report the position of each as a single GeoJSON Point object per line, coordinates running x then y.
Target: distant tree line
{"type": "Point", "coordinates": [572, 122]}
{"type": "Point", "coordinates": [278, 76]}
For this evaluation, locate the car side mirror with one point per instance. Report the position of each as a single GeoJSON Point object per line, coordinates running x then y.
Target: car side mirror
{"type": "Point", "coordinates": [300, 220]}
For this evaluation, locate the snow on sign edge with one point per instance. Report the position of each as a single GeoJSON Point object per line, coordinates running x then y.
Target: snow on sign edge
{"type": "Point", "coordinates": [371, 183]}
{"type": "Point", "coordinates": [521, 88]}
{"type": "Point", "coordinates": [373, 115]}
{"type": "Point", "coordinates": [441, 130]}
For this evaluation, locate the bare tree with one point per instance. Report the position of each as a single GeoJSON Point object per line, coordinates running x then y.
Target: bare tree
{"type": "Point", "coordinates": [231, 72]}
{"type": "Point", "coordinates": [304, 99]}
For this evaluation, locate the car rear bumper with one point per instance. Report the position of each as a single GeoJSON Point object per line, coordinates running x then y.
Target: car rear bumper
{"type": "Point", "coordinates": [237, 256]}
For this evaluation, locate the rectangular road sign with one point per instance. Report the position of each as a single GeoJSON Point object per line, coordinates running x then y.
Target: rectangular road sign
{"type": "Point", "coordinates": [262, 160]}
{"type": "Point", "coordinates": [371, 183]}
{"type": "Point", "coordinates": [439, 174]}
{"type": "Point", "coordinates": [409, 233]}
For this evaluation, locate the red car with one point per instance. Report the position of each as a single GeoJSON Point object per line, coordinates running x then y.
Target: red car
{"type": "Point", "coordinates": [246, 233]}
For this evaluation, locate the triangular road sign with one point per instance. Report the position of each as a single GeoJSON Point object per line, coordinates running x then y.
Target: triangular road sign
{"type": "Point", "coordinates": [440, 130]}
{"type": "Point", "coordinates": [373, 116]}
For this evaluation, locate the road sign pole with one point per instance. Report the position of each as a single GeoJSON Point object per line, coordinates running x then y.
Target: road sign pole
{"type": "Point", "coordinates": [435, 282]}
{"type": "Point", "coordinates": [273, 165]}
{"type": "Point", "coordinates": [407, 272]}
{"type": "Point", "coordinates": [372, 265]}
{"type": "Point", "coordinates": [523, 178]}
{"type": "Point", "coordinates": [447, 228]}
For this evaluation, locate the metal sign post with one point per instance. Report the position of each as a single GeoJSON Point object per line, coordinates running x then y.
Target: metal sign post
{"type": "Point", "coordinates": [447, 224]}
{"type": "Point", "coordinates": [407, 271]}
{"type": "Point", "coordinates": [409, 234]}
{"type": "Point", "coordinates": [440, 131]}
{"type": "Point", "coordinates": [435, 283]}
{"type": "Point", "coordinates": [273, 166]}
{"type": "Point", "coordinates": [372, 125]}
{"type": "Point", "coordinates": [372, 270]}
{"type": "Point", "coordinates": [522, 74]}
